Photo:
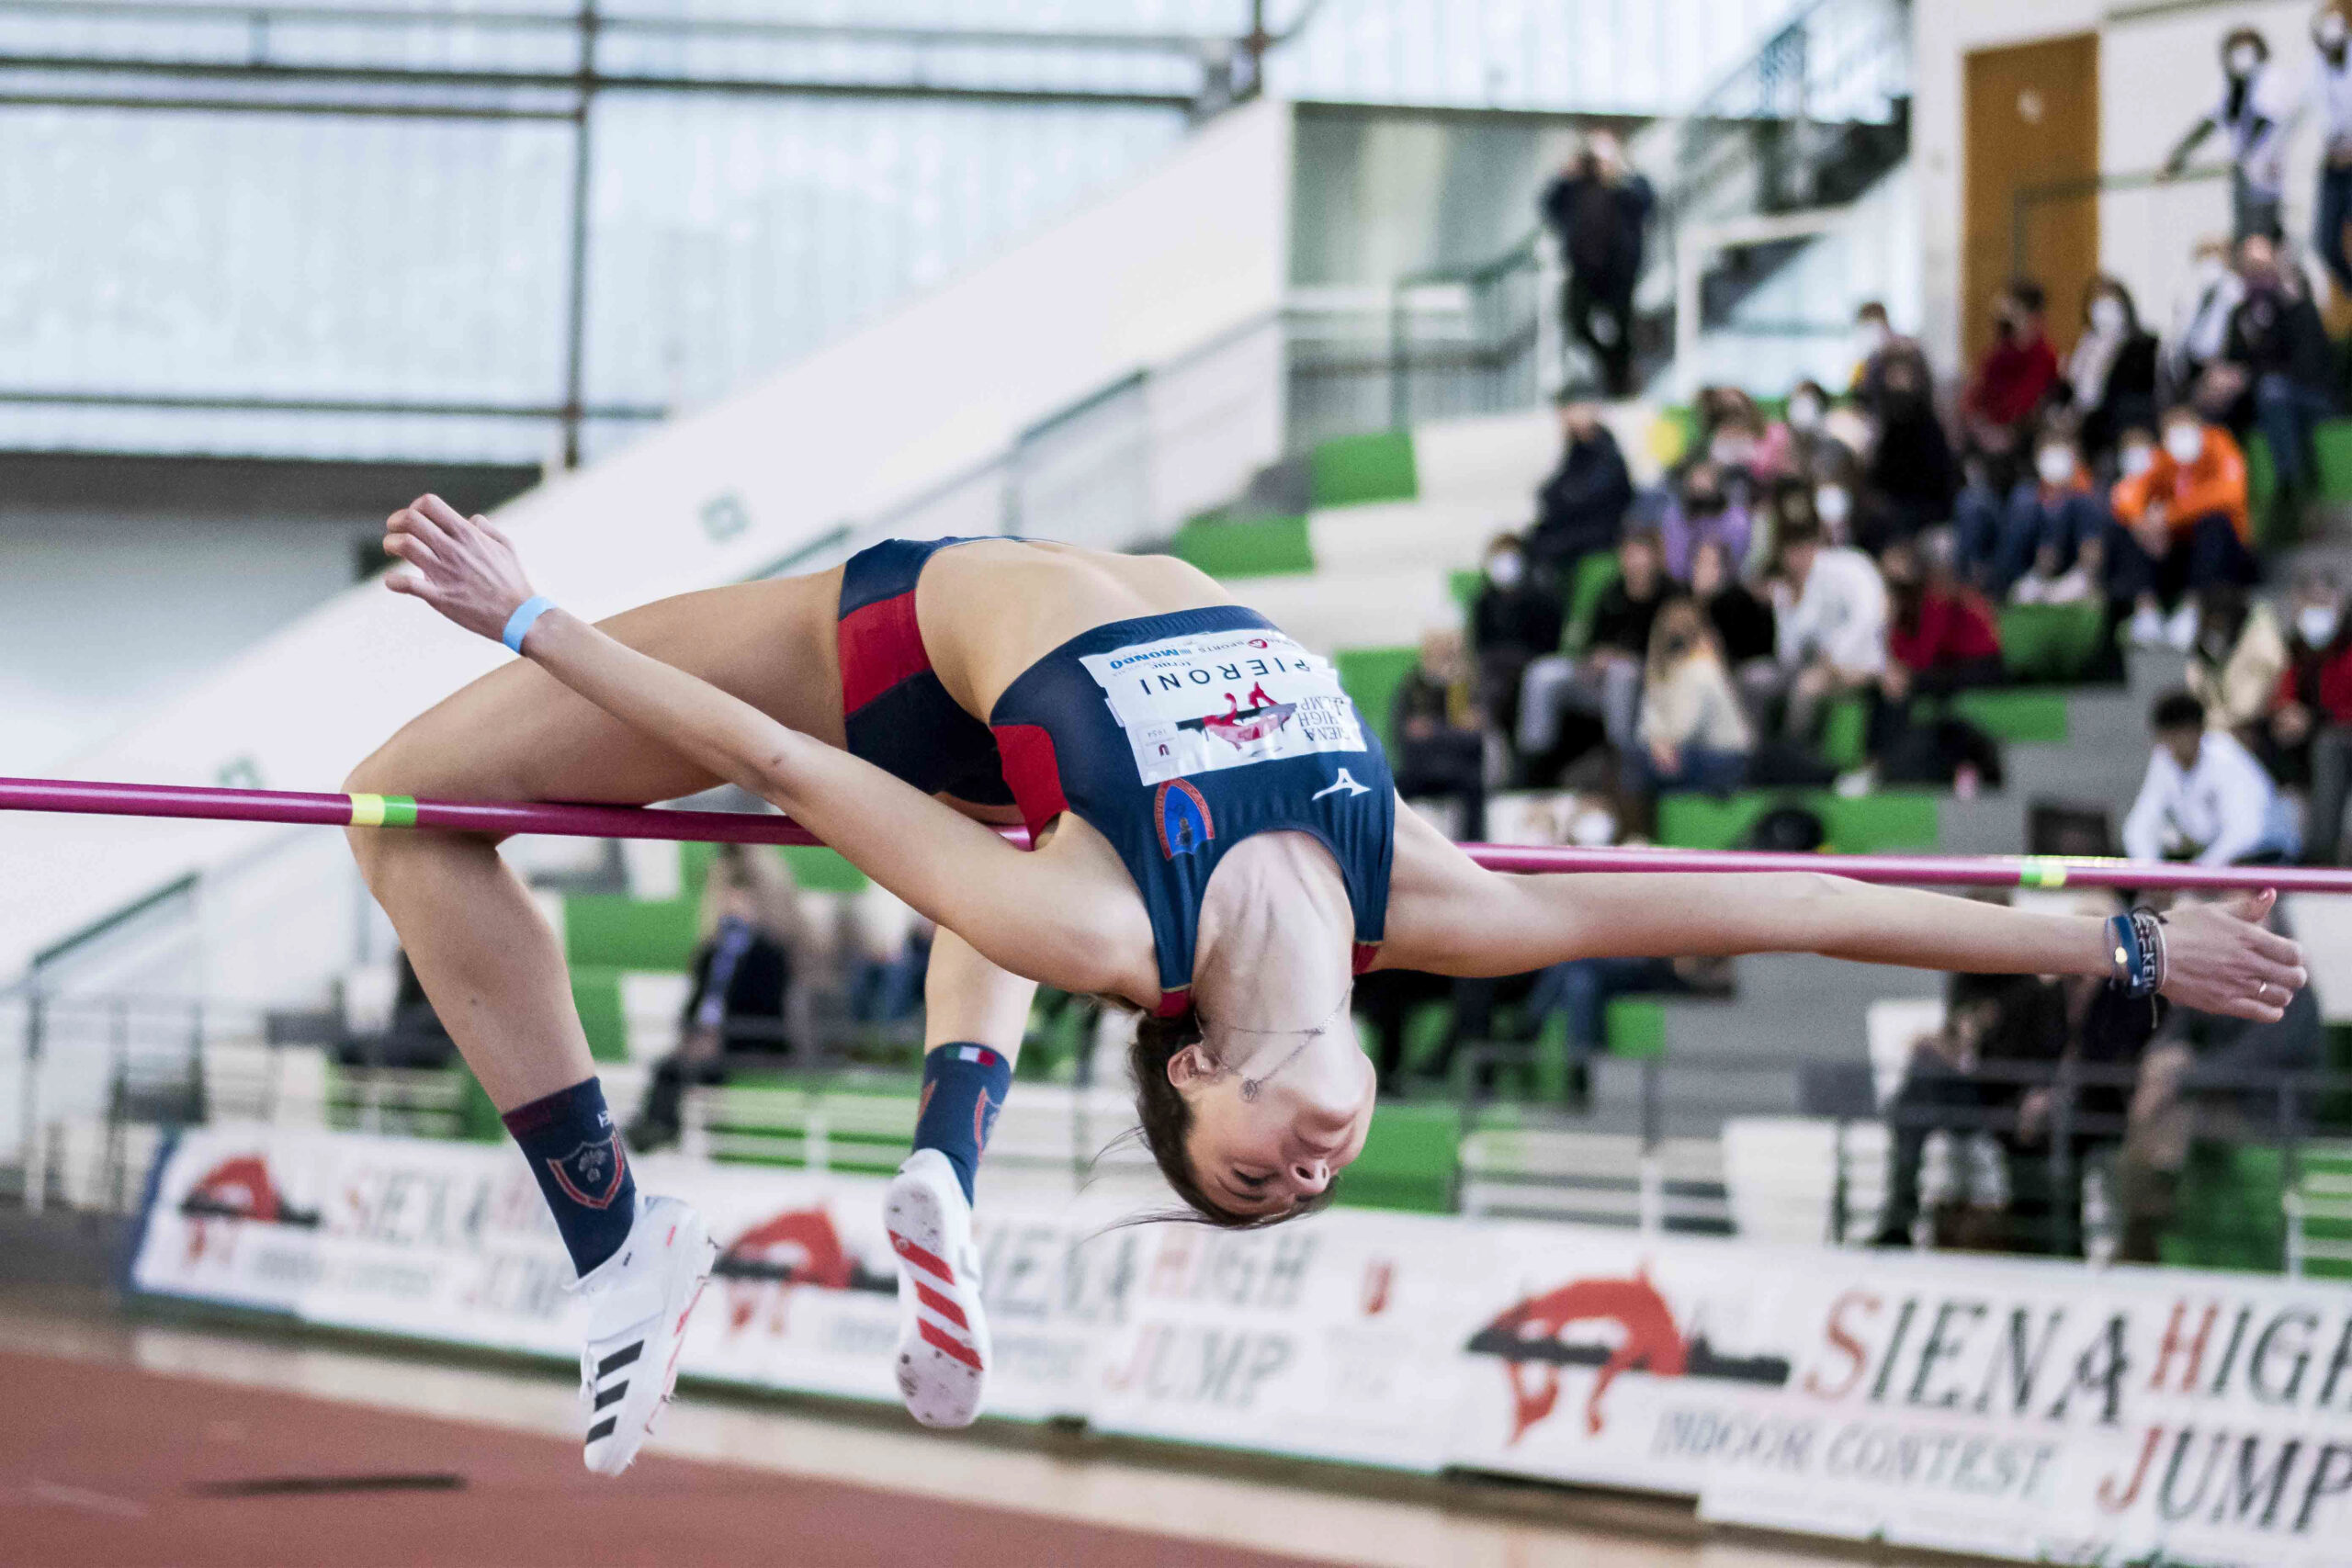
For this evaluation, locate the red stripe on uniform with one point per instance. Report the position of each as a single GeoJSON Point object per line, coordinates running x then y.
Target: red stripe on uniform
{"type": "Point", "coordinates": [880, 645]}
{"type": "Point", "coordinates": [1366, 954]}
{"type": "Point", "coordinates": [921, 1260]}
{"type": "Point", "coordinates": [935, 1336]}
{"type": "Point", "coordinates": [940, 1305]}
{"type": "Point", "coordinates": [1033, 771]}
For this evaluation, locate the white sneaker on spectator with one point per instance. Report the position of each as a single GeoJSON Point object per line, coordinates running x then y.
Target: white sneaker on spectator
{"type": "Point", "coordinates": [639, 1301]}
{"type": "Point", "coordinates": [2181, 629]}
{"type": "Point", "coordinates": [2147, 627]}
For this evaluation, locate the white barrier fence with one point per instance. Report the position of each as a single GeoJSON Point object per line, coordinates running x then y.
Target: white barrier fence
{"type": "Point", "coordinates": [2029, 1410]}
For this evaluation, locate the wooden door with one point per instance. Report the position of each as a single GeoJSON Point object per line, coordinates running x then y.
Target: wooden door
{"type": "Point", "coordinates": [2033, 129]}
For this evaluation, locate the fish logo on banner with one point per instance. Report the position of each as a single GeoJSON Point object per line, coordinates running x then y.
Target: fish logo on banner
{"type": "Point", "coordinates": [1648, 1340]}
{"type": "Point", "coordinates": [799, 1247]}
{"type": "Point", "coordinates": [240, 1188]}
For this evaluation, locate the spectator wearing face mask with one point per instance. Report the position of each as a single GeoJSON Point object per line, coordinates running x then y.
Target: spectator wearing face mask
{"type": "Point", "coordinates": [1581, 507]}
{"type": "Point", "coordinates": [2040, 526]}
{"type": "Point", "coordinates": [1878, 348]}
{"type": "Point", "coordinates": [2182, 526]}
{"type": "Point", "coordinates": [1693, 733]}
{"type": "Point", "coordinates": [1440, 732]}
{"type": "Point", "coordinates": [1911, 476]}
{"type": "Point", "coordinates": [1514, 621]}
{"type": "Point", "coordinates": [2276, 364]}
{"type": "Point", "coordinates": [1739, 444]}
{"type": "Point", "coordinates": [2111, 382]}
{"type": "Point", "coordinates": [2205, 798]}
{"type": "Point", "coordinates": [1607, 680]}
{"type": "Point", "coordinates": [1701, 509]}
{"type": "Point", "coordinates": [2235, 659]}
{"type": "Point", "coordinates": [1829, 618]}
{"type": "Point", "coordinates": [2016, 375]}
{"type": "Point", "coordinates": [2254, 117]}
{"type": "Point", "coordinates": [1799, 443]}
{"type": "Point", "coordinates": [2332, 100]}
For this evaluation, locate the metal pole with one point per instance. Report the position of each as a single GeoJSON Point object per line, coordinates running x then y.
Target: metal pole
{"type": "Point", "coordinates": [29, 1151]}
{"type": "Point", "coordinates": [575, 322]}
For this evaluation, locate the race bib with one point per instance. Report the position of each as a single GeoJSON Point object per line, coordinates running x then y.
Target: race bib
{"type": "Point", "coordinates": [1193, 704]}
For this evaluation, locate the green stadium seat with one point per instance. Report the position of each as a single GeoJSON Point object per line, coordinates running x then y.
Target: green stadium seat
{"type": "Point", "coordinates": [1409, 1161]}
{"type": "Point", "coordinates": [1371, 676]}
{"type": "Point", "coordinates": [2332, 445]}
{"type": "Point", "coordinates": [1635, 1027]}
{"type": "Point", "coordinates": [611, 930]}
{"type": "Point", "coordinates": [1845, 733]}
{"type": "Point", "coordinates": [2231, 1211]}
{"type": "Point", "coordinates": [819, 870]}
{"type": "Point", "coordinates": [1867, 824]}
{"type": "Point", "coordinates": [1462, 585]}
{"type": "Point", "coordinates": [2023, 717]}
{"type": "Point", "coordinates": [1378, 467]}
{"type": "Point", "coordinates": [2320, 1215]}
{"type": "Point", "coordinates": [597, 993]}
{"type": "Point", "coordinates": [1594, 573]}
{"type": "Point", "coordinates": [1270, 546]}
{"type": "Point", "coordinates": [2051, 642]}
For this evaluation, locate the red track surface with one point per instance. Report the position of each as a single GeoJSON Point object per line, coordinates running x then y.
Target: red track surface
{"type": "Point", "coordinates": [111, 1465]}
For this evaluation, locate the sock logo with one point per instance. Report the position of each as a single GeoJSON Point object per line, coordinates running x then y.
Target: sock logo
{"type": "Point", "coordinates": [984, 1119]}
{"type": "Point", "coordinates": [590, 1175]}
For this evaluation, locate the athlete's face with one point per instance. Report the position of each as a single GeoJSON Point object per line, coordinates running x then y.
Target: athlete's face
{"type": "Point", "coordinates": [1269, 1154]}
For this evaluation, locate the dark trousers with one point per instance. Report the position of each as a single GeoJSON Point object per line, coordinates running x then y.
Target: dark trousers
{"type": "Point", "coordinates": [1451, 762]}
{"type": "Point", "coordinates": [1997, 541]}
{"type": "Point", "coordinates": [2286, 410]}
{"type": "Point", "coordinates": [2331, 763]}
{"type": "Point", "coordinates": [1935, 1095]}
{"type": "Point", "coordinates": [2209, 552]}
{"type": "Point", "coordinates": [2328, 233]}
{"type": "Point", "coordinates": [1601, 315]}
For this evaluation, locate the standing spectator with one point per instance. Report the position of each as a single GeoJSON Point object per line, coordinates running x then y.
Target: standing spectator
{"type": "Point", "coordinates": [2205, 798]}
{"type": "Point", "coordinates": [1911, 476]}
{"type": "Point", "coordinates": [2111, 374]}
{"type": "Point", "coordinates": [1514, 621]}
{"type": "Point", "coordinates": [2040, 524]}
{"type": "Point", "coordinates": [2332, 97]}
{"type": "Point", "coordinates": [2307, 735]}
{"type": "Point", "coordinates": [1607, 680]}
{"type": "Point", "coordinates": [1581, 508]}
{"type": "Point", "coordinates": [1694, 734]}
{"type": "Point", "coordinates": [2277, 362]}
{"type": "Point", "coordinates": [2017, 372]}
{"type": "Point", "coordinates": [1441, 733]}
{"type": "Point", "coordinates": [2236, 660]}
{"type": "Point", "coordinates": [1829, 615]}
{"type": "Point", "coordinates": [2253, 116]}
{"type": "Point", "coordinates": [1878, 348]}
{"type": "Point", "coordinates": [2182, 526]}
{"type": "Point", "coordinates": [1701, 511]}
{"type": "Point", "coordinates": [1600, 209]}
{"type": "Point", "coordinates": [2201, 327]}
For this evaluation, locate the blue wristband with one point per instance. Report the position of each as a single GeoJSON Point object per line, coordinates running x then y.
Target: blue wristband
{"type": "Point", "coordinates": [2137, 963]}
{"type": "Point", "coordinates": [519, 624]}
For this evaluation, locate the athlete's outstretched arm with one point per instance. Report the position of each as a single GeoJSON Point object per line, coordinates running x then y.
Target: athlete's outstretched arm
{"type": "Point", "coordinates": [1038, 915]}
{"type": "Point", "coordinates": [1449, 916]}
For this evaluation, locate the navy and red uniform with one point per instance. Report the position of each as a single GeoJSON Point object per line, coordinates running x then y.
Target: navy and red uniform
{"type": "Point", "coordinates": [1175, 737]}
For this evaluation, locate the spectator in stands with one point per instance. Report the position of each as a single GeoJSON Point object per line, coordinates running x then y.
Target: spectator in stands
{"type": "Point", "coordinates": [2236, 660]}
{"type": "Point", "coordinates": [2205, 798]}
{"type": "Point", "coordinates": [2275, 366]}
{"type": "Point", "coordinates": [1582, 989]}
{"type": "Point", "coordinates": [1702, 509]}
{"type": "Point", "coordinates": [1829, 617]}
{"type": "Point", "coordinates": [1799, 445]}
{"type": "Point", "coordinates": [1581, 508]}
{"type": "Point", "coordinates": [2004, 399]}
{"type": "Point", "coordinates": [1693, 734]}
{"type": "Point", "coordinates": [1607, 680]}
{"type": "Point", "coordinates": [1911, 476]}
{"type": "Point", "coordinates": [1878, 348]}
{"type": "Point", "coordinates": [2332, 97]}
{"type": "Point", "coordinates": [1742, 623]}
{"type": "Point", "coordinates": [2038, 527]}
{"type": "Point", "coordinates": [2182, 526]}
{"type": "Point", "coordinates": [2253, 117]}
{"type": "Point", "coordinates": [2306, 738]}
{"type": "Point", "coordinates": [1940, 633]}
{"type": "Point", "coordinates": [2110, 384]}
{"type": "Point", "coordinates": [2201, 327]}
{"type": "Point", "coordinates": [1440, 732]}
{"type": "Point", "coordinates": [1514, 621]}
{"type": "Point", "coordinates": [1600, 210]}
{"type": "Point", "coordinates": [752, 921]}
{"type": "Point", "coordinates": [1738, 442]}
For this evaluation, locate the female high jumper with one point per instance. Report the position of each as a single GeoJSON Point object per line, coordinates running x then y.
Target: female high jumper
{"type": "Point", "coordinates": [1218, 843]}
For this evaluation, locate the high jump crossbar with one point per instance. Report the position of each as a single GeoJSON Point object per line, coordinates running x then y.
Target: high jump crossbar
{"type": "Point", "coordinates": [505, 816]}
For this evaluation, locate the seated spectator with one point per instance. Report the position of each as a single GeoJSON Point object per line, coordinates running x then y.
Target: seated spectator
{"type": "Point", "coordinates": [1742, 623]}
{"type": "Point", "coordinates": [2004, 399]}
{"type": "Point", "coordinates": [2236, 660]}
{"type": "Point", "coordinates": [1440, 732]}
{"type": "Point", "coordinates": [1878, 349]}
{"type": "Point", "coordinates": [1700, 509]}
{"type": "Point", "coordinates": [2182, 526]}
{"type": "Point", "coordinates": [742, 973]}
{"type": "Point", "coordinates": [1800, 444]}
{"type": "Point", "coordinates": [2040, 526]}
{"type": "Point", "coordinates": [1515, 620]}
{"type": "Point", "coordinates": [1582, 989]}
{"type": "Point", "coordinates": [2205, 798]}
{"type": "Point", "coordinates": [2111, 383]}
{"type": "Point", "coordinates": [2201, 327]}
{"type": "Point", "coordinates": [2306, 737]}
{"type": "Point", "coordinates": [1581, 508]}
{"type": "Point", "coordinates": [1829, 618]}
{"type": "Point", "coordinates": [1940, 633]}
{"type": "Point", "coordinates": [1910, 476]}
{"type": "Point", "coordinates": [1607, 678]}
{"type": "Point", "coordinates": [1693, 733]}
{"type": "Point", "coordinates": [2275, 367]}
{"type": "Point", "coordinates": [1737, 442]}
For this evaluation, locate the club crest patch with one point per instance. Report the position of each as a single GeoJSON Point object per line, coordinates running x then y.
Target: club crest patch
{"type": "Point", "coordinates": [590, 1175]}
{"type": "Point", "coordinates": [1183, 818]}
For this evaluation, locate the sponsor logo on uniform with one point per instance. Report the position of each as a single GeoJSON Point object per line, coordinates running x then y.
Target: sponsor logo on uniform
{"type": "Point", "coordinates": [1345, 783]}
{"type": "Point", "coordinates": [590, 1175]}
{"type": "Point", "coordinates": [1183, 814]}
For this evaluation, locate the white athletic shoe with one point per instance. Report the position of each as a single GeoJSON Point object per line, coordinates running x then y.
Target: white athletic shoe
{"type": "Point", "coordinates": [639, 1300]}
{"type": "Point", "coordinates": [942, 1331]}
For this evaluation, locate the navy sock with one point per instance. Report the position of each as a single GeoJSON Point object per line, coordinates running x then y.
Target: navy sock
{"type": "Point", "coordinates": [963, 1088]}
{"type": "Point", "coordinates": [575, 1152]}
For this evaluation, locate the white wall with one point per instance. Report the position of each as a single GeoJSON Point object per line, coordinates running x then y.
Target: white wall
{"type": "Point", "coordinates": [1192, 249]}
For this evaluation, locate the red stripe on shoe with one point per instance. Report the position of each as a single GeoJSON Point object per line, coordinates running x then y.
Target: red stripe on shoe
{"type": "Point", "coordinates": [940, 1305]}
{"type": "Point", "coordinates": [939, 1339]}
{"type": "Point", "coordinates": [921, 1260]}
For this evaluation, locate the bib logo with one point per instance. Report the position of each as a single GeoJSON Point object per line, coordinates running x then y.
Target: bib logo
{"type": "Point", "coordinates": [1183, 818]}
{"type": "Point", "coordinates": [590, 1174]}
{"type": "Point", "coordinates": [1238, 726]}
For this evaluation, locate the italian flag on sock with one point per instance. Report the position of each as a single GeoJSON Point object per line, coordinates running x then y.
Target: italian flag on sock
{"type": "Point", "coordinates": [985, 1058]}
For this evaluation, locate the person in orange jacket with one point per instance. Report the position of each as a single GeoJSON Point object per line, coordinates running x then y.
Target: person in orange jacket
{"type": "Point", "coordinates": [2182, 526]}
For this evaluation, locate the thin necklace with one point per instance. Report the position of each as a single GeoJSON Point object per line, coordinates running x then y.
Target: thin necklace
{"type": "Point", "coordinates": [1249, 1086]}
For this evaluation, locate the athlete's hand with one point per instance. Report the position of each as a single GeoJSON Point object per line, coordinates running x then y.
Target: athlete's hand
{"type": "Point", "coordinates": [461, 566]}
{"type": "Point", "coordinates": [2220, 958]}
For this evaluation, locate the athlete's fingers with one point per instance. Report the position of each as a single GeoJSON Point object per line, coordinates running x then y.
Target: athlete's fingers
{"type": "Point", "coordinates": [2277, 947]}
{"type": "Point", "coordinates": [438, 512]}
{"type": "Point", "coordinates": [411, 547]}
{"type": "Point", "coordinates": [406, 581]}
{"type": "Point", "coordinates": [493, 530]}
{"type": "Point", "coordinates": [410, 523]}
{"type": "Point", "coordinates": [2251, 904]}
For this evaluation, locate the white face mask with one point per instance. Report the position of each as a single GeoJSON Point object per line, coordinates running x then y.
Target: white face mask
{"type": "Point", "coordinates": [1731, 451]}
{"type": "Point", "coordinates": [2136, 459]}
{"type": "Point", "coordinates": [2107, 315]}
{"type": "Point", "coordinates": [2316, 624]}
{"type": "Point", "coordinates": [2186, 442]}
{"type": "Point", "coordinates": [1506, 569]}
{"type": "Point", "coordinates": [1804, 412]}
{"type": "Point", "coordinates": [1870, 337]}
{"type": "Point", "coordinates": [2055, 464]}
{"type": "Point", "coordinates": [1831, 505]}
{"type": "Point", "coordinates": [2329, 33]}
{"type": "Point", "coordinates": [2243, 60]}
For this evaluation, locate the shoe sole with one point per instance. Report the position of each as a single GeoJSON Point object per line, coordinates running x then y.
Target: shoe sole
{"type": "Point", "coordinates": [602, 1464]}
{"type": "Point", "coordinates": [941, 1378]}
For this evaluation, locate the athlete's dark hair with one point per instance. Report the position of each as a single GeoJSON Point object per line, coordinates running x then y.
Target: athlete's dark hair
{"type": "Point", "coordinates": [1164, 1120]}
